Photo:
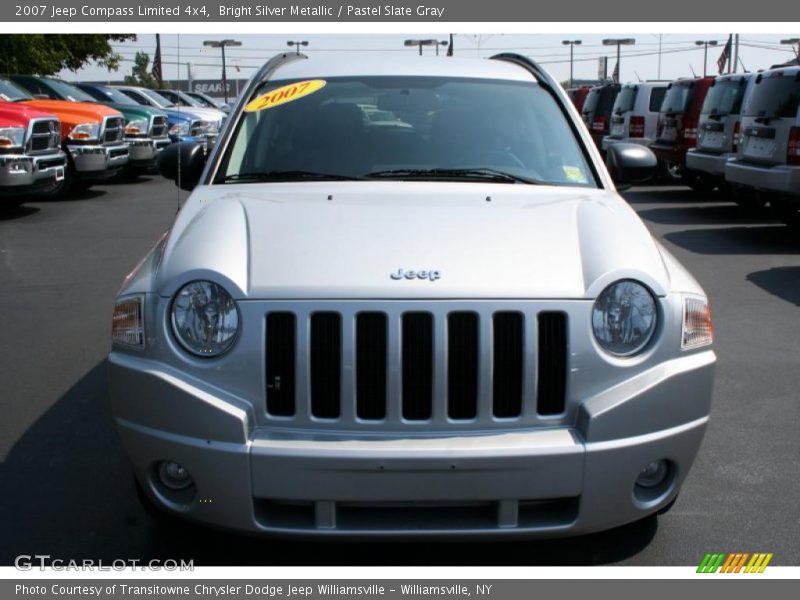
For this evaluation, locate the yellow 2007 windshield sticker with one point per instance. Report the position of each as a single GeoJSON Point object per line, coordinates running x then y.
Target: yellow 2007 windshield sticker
{"type": "Point", "coordinates": [287, 93]}
{"type": "Point", "coordinates": [574, 174]}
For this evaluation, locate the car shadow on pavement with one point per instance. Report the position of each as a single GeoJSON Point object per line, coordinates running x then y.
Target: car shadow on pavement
{"type": "Point", "coordinates": [69, 493]}
{"type": "Point", "coordinates": [755, 240]}
{"type": "Point", "coordinates": [671, 194]}
{"type": "Point", "coordinates": [707, 214]}
{"type": "Point", "coordinates": [783, 282]}
{"type": "Point", "coordinates": [9, 213]}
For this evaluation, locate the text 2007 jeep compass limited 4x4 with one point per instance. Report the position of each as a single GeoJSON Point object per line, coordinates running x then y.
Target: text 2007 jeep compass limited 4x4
{"type": "Point", "coordinates": [404, 298]}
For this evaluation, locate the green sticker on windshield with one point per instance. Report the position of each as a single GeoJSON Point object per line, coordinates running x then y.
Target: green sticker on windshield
{"type": "Point", "coordinates": [574, 174]}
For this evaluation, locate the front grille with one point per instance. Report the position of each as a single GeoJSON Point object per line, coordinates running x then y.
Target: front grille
{"type": "Point", "coordinates": [198, 128]}
{"type": "Point", "coordinates": [158, 127]}
{"type": "Point", "coordinates": [113, 130]}
{"type": "Point", "coordinates": [364, 367]}
{"type": "Point", "coordinates": [45, 136]}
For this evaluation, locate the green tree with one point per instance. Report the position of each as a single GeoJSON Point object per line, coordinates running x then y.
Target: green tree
{"type": "Point", "coordinates": [47, 54]}
{"type": "Point", "coordinates": [140, 72]}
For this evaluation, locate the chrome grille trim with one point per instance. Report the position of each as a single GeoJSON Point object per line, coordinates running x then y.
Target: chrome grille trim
{"type": "Point", "coordinates": [44, 136]}
{"type": "Point", "coordinates": [158, 127]}
{"type": "Point", "coordinates": [113, 131]}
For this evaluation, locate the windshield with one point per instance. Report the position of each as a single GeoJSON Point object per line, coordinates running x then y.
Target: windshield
{"type": "Point", "coordinates": [774, 97]}
{"type": "Point", "coordinates": [625, 99]}
{"type": "Point", "coordinates": [68, 91]}
{"type": "Point", "coordinates": [108, 94]}
{"type": "Point", "coordinates": [724, 98]}
{"type": "Point", "coordinates": [179, 99]}
{"type": "Point", "coordinates": [202, 100]}
{"type": "Point", "coordinates": [407, 128]}
{"type": "Point", "coordinates": [677, 98]}
{"type": "Point", "coordinates": [11, 92]}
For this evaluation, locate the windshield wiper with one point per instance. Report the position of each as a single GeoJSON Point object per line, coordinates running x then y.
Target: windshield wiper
{"type": "Point", "coordinates": [473, 174]}
{"type": "Point", "coordinates": [285, 176]}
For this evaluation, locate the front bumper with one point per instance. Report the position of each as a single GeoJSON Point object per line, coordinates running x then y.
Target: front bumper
{"type": "Point", "coordinates": [24, 174]}
{"type": "Point", "coordinates": [779, 178]}
{"type": "Point", "coordinates": [705, 162]}
{"type": "Point", "coordinates": [670, 153]}
{"type": "Point", "coordinates": [98, 161]}
{"type": "Point", "coordinates": [143, 151]}
{"type": "Point", "coordinates": [535, 482]}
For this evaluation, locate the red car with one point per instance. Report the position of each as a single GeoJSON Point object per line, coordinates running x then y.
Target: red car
{"type": "Point", "coordinates": [677, 130]}
{"type": "Point", "coordinates": [31, 159]}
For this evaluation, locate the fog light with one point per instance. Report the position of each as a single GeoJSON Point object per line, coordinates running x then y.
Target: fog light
{"type": "Point", "coordinates": [173, 475]}
{"type": "Point", "coordinates": [653, 474]}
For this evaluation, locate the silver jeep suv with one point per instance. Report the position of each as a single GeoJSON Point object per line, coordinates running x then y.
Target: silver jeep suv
{"type": "Point", "coordinates": [769, 152]}
{"type": "Point", "coordinates": [442, 322]}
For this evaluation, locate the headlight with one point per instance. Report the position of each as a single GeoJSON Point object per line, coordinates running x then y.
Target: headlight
{"type": "Point", "coordinates": [205, 319]}
{"type": "Point", "coordinates": [137, 127]}
{"type": "Point", "coordinates": [698, 329]}
{"type": "Point", "coordinates": [624, 318]}
{"type": "Point", "coordinates": [127, 324]}
{"type": "Point", "coordinates": [85, 131]}
{"type": "Point", "coordinates": [179, 129]}
{"type": "Point", "coordinates": [12, 137]}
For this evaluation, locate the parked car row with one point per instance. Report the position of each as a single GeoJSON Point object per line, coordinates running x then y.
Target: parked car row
{"type": "Point", "coordinates": [739, 132]}
{"type": "Point", "coordinates": [55, 135]}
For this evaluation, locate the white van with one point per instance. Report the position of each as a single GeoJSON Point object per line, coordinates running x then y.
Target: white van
{"type": "Point", "coordinates": [634, 117]}
{"type": "Point", "coordinates": [768, 158]}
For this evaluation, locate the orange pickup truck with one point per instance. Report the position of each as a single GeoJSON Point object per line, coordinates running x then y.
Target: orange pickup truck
{"type": "Point", "coordinates": [92, 136]}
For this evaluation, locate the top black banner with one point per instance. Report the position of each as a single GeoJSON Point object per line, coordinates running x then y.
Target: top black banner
{"type": "Point", "coordinates": [167, 11]}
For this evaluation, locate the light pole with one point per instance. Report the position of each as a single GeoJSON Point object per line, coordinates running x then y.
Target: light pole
{"type": "Point", "coordinates": [421, 43]}
{"type": "Point", "coordinates": [222, 44]}
{"type": "Point", "coordinates": [443, 43]}
{"type": "Point", "coordinates": [619, 42]}
{"type": "Point", "coordinates": [297, 45]}
{"type": "Point", "coordinates": [793, 42]}
{"type": "Point", "coordinates": [705, 44]}
{"type": "Point", "coordinates": [571, 44]}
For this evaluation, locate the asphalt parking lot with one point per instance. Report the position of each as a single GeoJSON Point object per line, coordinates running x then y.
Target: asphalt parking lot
{"type": "Point", "coordinates": [66, 486]}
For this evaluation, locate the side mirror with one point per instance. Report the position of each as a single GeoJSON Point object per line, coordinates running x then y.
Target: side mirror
{"type": "Point", "coordinates": [182, 162]}
{"type": "Point", "coordinates": [631, 163]}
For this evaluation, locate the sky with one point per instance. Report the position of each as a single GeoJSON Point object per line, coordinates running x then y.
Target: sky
{"type": "Point", "coordinates": [680, 57]}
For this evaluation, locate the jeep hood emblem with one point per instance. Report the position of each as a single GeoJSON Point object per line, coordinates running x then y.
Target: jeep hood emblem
{"type": "Point", "coordinates": [430, 275]}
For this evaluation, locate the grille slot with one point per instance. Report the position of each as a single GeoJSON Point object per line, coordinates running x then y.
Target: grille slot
{"type": "Point", "coordinates": [508, 353]}
{"type": "Point", "coordinates": [462, 365]}
{"type": "Point", "coordinates": [371, 345]}
{"type": "Point", "coordinates": [417, 371]}
{"type": "Point", "coordinates": [552, 384]}
{"type": "Point", "coordinates": [325, 353]}
{"type": "Point", "coordinates": [281, 351]}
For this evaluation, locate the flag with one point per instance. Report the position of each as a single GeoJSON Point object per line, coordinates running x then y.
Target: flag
{"type": "Point", "coordinates": [157, 72]}
{"type": "Point", "coordinates": [615, 73]}
{"type": "Point", "coordinates": [726, 53]}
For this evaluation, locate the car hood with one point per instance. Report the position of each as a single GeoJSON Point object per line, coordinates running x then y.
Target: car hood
{"type": "Point", "coordinates": [183, 114]}
{"type": "Point", "coordinates": [207, 114]}
{"type": "Point", "coordinates": [344, 240]}
{"type": "Point", "coordinates": [133, 112]}
{"type": "Point", "coordinates": [14, 114]}
{"type": "Point", "coordinates": [73, 113]}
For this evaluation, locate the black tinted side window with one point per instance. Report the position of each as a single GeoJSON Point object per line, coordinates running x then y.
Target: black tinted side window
{"type": "Point", "coordinates": [656, 98]}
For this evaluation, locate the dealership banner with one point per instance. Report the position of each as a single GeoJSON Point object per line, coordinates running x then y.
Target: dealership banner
{"type": "Point", "coordinates": [392, 589]}
{"type": "Point", "coordinates": [478, 11]}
